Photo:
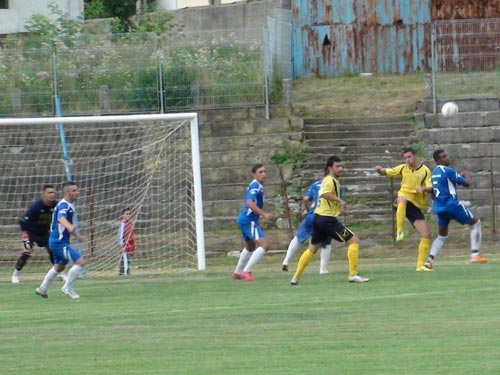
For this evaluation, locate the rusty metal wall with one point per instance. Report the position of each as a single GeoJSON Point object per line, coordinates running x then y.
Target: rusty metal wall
{"type": "Point", "coordinates": [464, 9]}
{"type": "Point", "coordinates": [333, 37]}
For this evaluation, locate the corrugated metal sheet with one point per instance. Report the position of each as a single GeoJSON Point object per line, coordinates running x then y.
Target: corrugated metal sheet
{"type": "Point", "coordinates": [333, 37]}
{"type": "Point", "coordinates": [464, 9]}
{"type": "Point", "coordinates": [340, 49]}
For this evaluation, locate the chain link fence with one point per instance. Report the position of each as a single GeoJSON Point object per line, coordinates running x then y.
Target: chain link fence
{"type": "Point", "coordinates": [137, 73]}
{"type": "Point", "coordinates": [466, 59]}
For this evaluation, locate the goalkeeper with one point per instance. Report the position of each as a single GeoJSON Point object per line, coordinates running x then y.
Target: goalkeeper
{"type": "Point", "coordinates": [35, 226]}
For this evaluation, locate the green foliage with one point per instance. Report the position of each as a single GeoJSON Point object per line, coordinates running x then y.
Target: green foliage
{"type": "Point", "coordinates": [291, 153]}
{"type": "Point", "coordinates": [95, 9]}
{"type": "Point", "coordinates": [61, 31]}
{"type": "Point", "coordinates": [125, 66]}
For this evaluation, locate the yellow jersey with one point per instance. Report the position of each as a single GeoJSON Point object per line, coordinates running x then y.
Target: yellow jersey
{"type": "Point", "coordinates": [325, 207]}
{"type": "Point", "coordinates": [411, 179]}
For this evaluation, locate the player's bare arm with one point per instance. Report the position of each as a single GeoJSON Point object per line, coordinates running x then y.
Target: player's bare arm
{"type": "Point", "coordinates": [380, 170]}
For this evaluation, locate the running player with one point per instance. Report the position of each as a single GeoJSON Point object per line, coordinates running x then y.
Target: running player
{"type": "Point", "coordinates": [412, 201]}
{"type": "Point", "coordinates": [256, 243]}
{"type": "Point", "coordinates": [326, 225]}
{"type": "Point", "coordinates": [61, 228]}
{"type": "Point", "coordinates": [305, 230]}
{"type": "Point", "coordinates": [447, 207]}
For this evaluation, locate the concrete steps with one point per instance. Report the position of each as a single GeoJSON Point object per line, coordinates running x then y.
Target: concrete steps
{"type": "Point", "coordinates": [471, 139]}
{"type": "Point", "coordinates": [361, 144]}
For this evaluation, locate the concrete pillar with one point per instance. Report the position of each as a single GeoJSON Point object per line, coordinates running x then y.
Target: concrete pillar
{"type": "Point", "coordinates": [287, 92]}
{"type": "Point", "coordinates": [427, 86]}
{"type": "Point", "coordinates": [104, 98]}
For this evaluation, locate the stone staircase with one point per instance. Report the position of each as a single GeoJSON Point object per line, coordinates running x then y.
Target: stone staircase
{"type": "Point", "coordinates": [362, 144]}
{"type": "Point", "coordinates": [231, 142]}
{"type": "Point", "coordinates": [472, 139]}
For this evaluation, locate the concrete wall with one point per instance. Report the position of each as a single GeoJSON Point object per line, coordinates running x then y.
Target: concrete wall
{"type": "Point", "coordinates": [236, 16]}
{"type": "Point", "coordinates": [13, 20]}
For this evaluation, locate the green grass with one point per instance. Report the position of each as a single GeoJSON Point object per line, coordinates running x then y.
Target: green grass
{"type": "Point", "coordinates": [401, 322]}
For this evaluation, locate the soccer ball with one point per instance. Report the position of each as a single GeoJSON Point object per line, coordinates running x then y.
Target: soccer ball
{"type": "Point", "coordinates": [449, 109]}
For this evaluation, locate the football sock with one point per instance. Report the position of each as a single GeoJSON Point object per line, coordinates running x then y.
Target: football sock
{"type": "Point", "coordinates": [475, 236]}
{"type": "Point", "coordinates": [254, 259]}
{"type": "Point", "coordinates": [400, 216]}
{"type": "Point", "coordinates": [423, 250]}
{"type": "Point", "coordinates": [325, 257]}
{"type": "Point", "coordinates": [304, 260]}
{"type": "Point", "coordinates": [244, 256]}
{"type": "Point", "coordinates": [352, 258]}
{"type": "Point", "coordinates": [437, 245]}
{"type": "Point", "coordinates": [292, 249]}
{"type": "Point", "coordinates": [22, 261]}
{"type": "Point", "coordinates": [125, 262]}
{"type": "Point", "coordinates": [49, 277]}
{"type": "Point", "coordinates": [72, 275]}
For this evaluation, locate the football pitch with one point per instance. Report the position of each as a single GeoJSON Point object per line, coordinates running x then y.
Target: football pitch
{"type": "Point", "coordinates": [401, 322]}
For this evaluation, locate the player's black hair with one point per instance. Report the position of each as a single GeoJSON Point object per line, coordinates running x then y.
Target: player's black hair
{"type": "Point", "coordinates": [47, 186]}
{"type": "Point", "coordinates": [330, 161]}
{"type": "Point", "coordinates": [126, 209]}
{"type": "Point", "coordinates": [256, 166]}
{"type": "Point", "coordinates": [437, 153]}
{"type": "Point", "coordinates": [68, 183]}
{"type": "Point", "coordinates": [408, 149]}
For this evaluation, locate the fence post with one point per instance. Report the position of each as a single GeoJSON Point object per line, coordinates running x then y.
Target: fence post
{"type": "Point", "coordinates": [16, 99]}
{"type": "Point", "coordinates": [287, 93]}
{"type": "Point", "coordinates": [104, 98]}
{"type": "Point", "coordinates": [160, 83]}
{"type": "Point", "coordinates": [433, 68]}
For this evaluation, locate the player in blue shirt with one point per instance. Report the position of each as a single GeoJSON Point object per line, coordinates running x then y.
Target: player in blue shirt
{"type": "Point", "coordinates": [447, 207]}
{"type": "Point", "coordinates": [35, 226]}
{"type": "Point", "coordinates": [305, 230]}
{"type": "Point", "coordinates": [61, 228]}
{"type": "Point", "coordinates": [256, 244]}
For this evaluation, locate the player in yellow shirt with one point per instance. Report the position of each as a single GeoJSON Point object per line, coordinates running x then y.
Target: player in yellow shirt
{"type": "Point", "coordinates": [415, 179]}
{"type": "Point", "coordinates": [326, 225]}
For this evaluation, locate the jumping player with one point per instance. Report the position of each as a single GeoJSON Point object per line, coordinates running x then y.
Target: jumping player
{"type": "Point", "coordinates": [416, 180]}
{"type": "Point", "coordinates": [447, 207]}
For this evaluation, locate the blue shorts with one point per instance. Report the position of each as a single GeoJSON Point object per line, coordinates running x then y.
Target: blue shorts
{"type": "Point", "coordinates": [459, 213]}
{"type": "Point", "coordinates": [305, 230]}
{"type": "Point", "coordinates": [251, 231]}
{"type": "Point", "coordinates": [64, 253]}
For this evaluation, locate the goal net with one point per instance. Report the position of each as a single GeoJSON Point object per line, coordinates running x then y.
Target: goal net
{"type": "Point", "coordinates": [148, 163]}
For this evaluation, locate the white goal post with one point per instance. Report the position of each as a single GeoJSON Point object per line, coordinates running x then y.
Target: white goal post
{"type": "Point", "coordinates": [149, 163]}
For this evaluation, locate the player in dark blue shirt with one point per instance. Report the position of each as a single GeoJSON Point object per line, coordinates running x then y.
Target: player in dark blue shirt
{"type": "Point", "coordinates": [447, 206]}
{"type": "Point", "coordinates": [35, 226]}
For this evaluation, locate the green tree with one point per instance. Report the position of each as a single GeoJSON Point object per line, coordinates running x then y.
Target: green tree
{"type": "Point", "coordinates": [62, 30]}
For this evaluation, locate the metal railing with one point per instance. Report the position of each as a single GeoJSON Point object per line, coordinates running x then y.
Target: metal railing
{"type": "Point", "coordinates": [142, 74]}
{"type": "Point", "coordinates": [465, 59]}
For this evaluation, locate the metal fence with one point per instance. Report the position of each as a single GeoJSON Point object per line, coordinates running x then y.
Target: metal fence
{"type": "Point", "coordinates": [466, 59]}
{"type": "Point", "coordinates": [139, 74]}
